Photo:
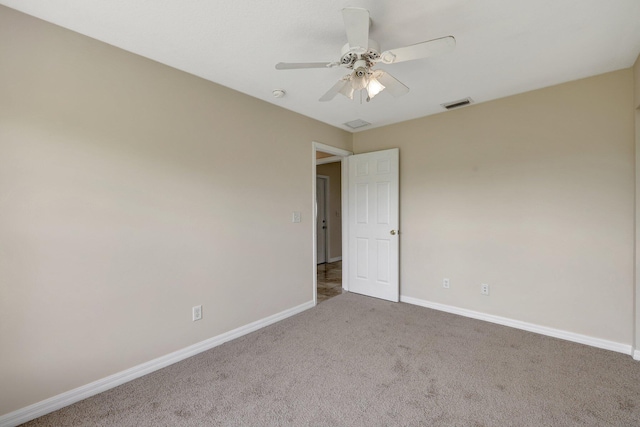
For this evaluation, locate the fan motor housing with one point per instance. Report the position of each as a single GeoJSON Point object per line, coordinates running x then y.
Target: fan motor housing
{"type": "Point", "coordinates": [349, 57]}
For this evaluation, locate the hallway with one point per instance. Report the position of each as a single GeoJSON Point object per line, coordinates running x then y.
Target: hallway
{"type": "Point", "coordinates": [329, 280]}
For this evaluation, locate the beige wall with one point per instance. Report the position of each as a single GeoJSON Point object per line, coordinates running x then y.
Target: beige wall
{"type": "Point", "coordinates": [129, 193]}
{"type": "Point", "coordinates": [532, 194]}
{"type": "Point", "coordinates": [334, 210]}
{"type": "Point", "coordinates": [323, 155]}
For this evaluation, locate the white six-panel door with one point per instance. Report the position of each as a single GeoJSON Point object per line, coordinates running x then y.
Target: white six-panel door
{"type": "Point", "coordinates": [373, 224]}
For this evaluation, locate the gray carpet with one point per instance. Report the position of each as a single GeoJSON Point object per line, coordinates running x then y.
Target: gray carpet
{"type": "Point", "coordinates": [358, 361]}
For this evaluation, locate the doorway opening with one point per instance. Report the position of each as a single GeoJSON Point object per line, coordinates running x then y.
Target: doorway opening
{"type": "Point", "coordinates": [329, 277]}
{"type": "Point", "coordinates": [329, 207]}
{"type": "Point", "coordinates": [370, 190]}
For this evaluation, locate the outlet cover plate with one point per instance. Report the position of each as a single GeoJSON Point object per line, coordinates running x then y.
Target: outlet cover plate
{"type": "Point", "coordinates": [196, 312]}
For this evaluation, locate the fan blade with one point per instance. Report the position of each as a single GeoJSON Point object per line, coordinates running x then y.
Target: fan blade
{"type": "Point", "coordinates": [334, 90]}
{"type": "Point", "coordinates": [298, 65]}
{"type": "Point", "coordinates": [419, 50]}
{"type": "Point", "coordinates": [391, 84]}
{"type": "Point", "coordinates": [356, 23]}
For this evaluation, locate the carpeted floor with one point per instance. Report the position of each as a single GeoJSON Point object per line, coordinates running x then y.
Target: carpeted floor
{"type": "Point", "coordinates": [358, 361]}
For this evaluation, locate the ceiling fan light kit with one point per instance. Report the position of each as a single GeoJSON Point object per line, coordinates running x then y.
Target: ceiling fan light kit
{"type": "Point", "coordinates": [361, 53]}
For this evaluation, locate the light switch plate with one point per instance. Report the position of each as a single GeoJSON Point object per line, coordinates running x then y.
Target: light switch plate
{"type": "Point", "coordinates": [297, 217]}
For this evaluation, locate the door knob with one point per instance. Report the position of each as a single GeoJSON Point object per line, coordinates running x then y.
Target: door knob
{"type": "Point", "coordinates": [393, 232]}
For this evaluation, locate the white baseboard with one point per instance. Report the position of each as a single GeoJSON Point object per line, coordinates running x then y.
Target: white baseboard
{"type": "Point", "coordinates": [531, 327]}
{"type": "Point", "coordinates": [72, 396]}
{"type": "Point", "coordinates": [636, 355]}
{"type": "Point", "coordinates": [335, 259]}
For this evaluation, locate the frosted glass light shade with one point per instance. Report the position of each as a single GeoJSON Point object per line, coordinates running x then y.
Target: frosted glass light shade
{"type": "Point", "coordinates": [374, 87]}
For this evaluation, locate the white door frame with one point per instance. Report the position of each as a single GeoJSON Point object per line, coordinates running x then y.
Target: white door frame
{"type": "Point", "coordinates": [342, 156]}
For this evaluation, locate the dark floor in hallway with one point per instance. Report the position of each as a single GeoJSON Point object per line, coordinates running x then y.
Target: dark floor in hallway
{"type": "Point", "coordinates": [329, 280]}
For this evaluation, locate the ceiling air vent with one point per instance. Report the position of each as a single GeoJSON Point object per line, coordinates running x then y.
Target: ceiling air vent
{"type": "Point", "coordinates": [457, 104]}
{"type": "Point", "coordinates": [358, 123]}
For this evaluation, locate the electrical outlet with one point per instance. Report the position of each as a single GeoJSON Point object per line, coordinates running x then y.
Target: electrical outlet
{"type": "Point", "coordinates": [484, 289]}
{"type": "Point", "coordinates": [445, 283]}
{"type": "Point", "coordinates": [297, 217]}
{"type": "Point", "coordinates": [196, 312]}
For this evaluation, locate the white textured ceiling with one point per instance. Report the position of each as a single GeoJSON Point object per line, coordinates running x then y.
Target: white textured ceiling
{"type": "Point", "coordinates": [503, 47]}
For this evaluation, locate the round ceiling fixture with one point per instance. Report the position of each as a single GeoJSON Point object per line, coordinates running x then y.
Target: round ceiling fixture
{"type": "Point", "coordinates": [279, 93]}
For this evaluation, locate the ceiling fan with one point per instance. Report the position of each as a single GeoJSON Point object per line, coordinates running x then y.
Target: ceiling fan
{"type": "Point", "coordinates": [360, 54]}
